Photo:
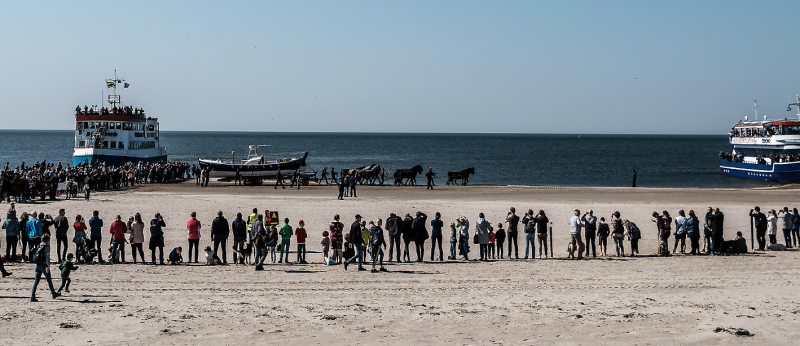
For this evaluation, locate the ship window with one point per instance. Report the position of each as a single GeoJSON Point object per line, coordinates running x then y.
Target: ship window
{"type": "Point", "coordinates": [86, 125]}
{"type": "Point", "coordinates": [78, 126]}
{"type": "Point", "coordinates": [105, 124]}
{"type": "Point", "coordinates": [105, 144]}
{"type": "Point", "coordinates": [113, 145]}
{"type": "Point", "coordinates": [81, 144]}
{"type": "Point", "coordinates": [791, 130]}
{"type": "Point", "coordinates": [111, 126]}
{"type": "Point", "coordinates": [91, 126]}
{"type": "Point", "coordinates": [122, 145]}
{"type": "Point", "coordinates": [119, 125]}
{"type": "Point", "coordinates": [126, 126]}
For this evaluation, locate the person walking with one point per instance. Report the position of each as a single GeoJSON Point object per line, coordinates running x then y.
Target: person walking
{"type": "Point", "coordinates": [137, 237]}
{"type": "Point", "coordinates": [430, 176]}
{"type": "Point", "coordinates": [512, 220]}
{"type": "Point", "coordinates": [193, 227]}
{"type": "Point", "coordinates": [117, 231]}
{"type": "Point", "coordinates": [355, 239]}
{"type": "Point", "coordinates": [420, 234]}
{"type": "Point", "coordinates": [279, 179]}
{"type": "Point", "coordinates": [336, 228]}
{"type": "Point", "coordinates": [589, 231]}
{"type": "Point", "coordinates": [529, 225]}
{"type": "Point", "coordinates": [157, 238]}
{"type": "Point", "coordinates": [96, 234]}
{"type": "Point", "coordinates": [324, 176]}
{"type": "Point", "coordinates": [41, 255]}
{"type": "Point", "coordinates": [393, 227]}
{"type": "Point", "coordinates": [376, 242]}
{"type": "Point", "coordinates": [62, 226]}
{"type": "Point", "coordinates": [482, 227]}
{"type": "Point", "coordinates": [239, 228]}
{"type": "Point", "coordinates": [220, 231]}
{"type": "Point", "coordinates": [436, 236]}
{"type": "Point", "coordinates": [260, 241]}
{"type": "Point", "coordinates": [286, 234]}
{"type": "Point", "coordinates": [575, 225]}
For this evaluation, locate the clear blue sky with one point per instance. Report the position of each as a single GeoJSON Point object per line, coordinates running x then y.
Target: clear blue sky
{"type": "Point", "coordinates": [404, 66]}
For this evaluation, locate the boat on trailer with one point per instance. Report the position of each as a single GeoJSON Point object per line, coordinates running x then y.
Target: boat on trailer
{"type": "Point", "coordinates": [256, 167]}
{"type": "Point", "coordinates": [765, 149]}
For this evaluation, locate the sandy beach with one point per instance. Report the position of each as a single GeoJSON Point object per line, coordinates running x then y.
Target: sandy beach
{"type": "Point", "coordinates": [645, 300]}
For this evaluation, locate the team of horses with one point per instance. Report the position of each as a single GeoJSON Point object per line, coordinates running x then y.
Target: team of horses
{"type": "Point", "coordinates": [406, 176]}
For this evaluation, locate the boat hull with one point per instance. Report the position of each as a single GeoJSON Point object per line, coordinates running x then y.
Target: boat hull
{"type": "Point", "coordinates": [117, 157]}
{"type": "Point", "coordinates": [781, 171]}
{"type": "Point", "coordinates": [262, 171]}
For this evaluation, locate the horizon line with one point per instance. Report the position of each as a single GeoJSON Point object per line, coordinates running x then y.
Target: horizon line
{"type": "Point", "coordinates": [415, 133]}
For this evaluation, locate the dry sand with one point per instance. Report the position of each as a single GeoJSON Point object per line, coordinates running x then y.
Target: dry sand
{"type": "Point", "coordinates": [647, 300]}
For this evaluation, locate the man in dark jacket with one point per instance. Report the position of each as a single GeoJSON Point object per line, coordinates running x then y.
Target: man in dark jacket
{"type": "Point", "coordinates": [761, 226]}
{"type": "Point", "coordinates": [62, 226]}
{"type": "Point", "coordinates": [355, 239]}
{"type": "Point", "coordinates": [219, 233]}
{"type": "Point", "coordinates": [393, 226]}
{"type": "Point", "coordinates": [157, 238]}
{"type": "Point", "coordinates": [239, 227]}
{"type": "Point", "coordinates": [512, 219]}
{"type": "Point", "coordinates": [420, 234]}
{"type": "Point", "coordinates": [717, 230]}
{"type": "Point", "coordinates": [407, 233]}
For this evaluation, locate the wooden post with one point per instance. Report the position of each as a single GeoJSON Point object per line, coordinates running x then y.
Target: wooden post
{"type": "Point", "coordinates": [551, 240]}
{"type": "Point", "coordinates": [752, 243]}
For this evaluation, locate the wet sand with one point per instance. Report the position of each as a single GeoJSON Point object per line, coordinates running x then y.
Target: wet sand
{"type": "Point", "coordinates": [678, 300]}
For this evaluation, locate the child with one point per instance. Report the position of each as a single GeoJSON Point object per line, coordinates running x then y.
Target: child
{"type": "Point", "coordinates": [272, 242]}
{"type": "Point", "coordinates": [326, 245]}
{"type": "Point", "coordinates": [499, 239]}
{"type": "Point", "coordinates": [301, 235]}
{"type": "Point", "coordinates": [286, 234]}
{"type": "Point", "coordinates": [491, 244]}
{"type": "Point", "coordinates": [66, 268]}
{"type": "Point", "coordinates": [175, 256]}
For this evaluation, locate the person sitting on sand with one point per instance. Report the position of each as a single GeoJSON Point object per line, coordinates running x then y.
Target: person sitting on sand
{"type": "Point", "coordinates": [175, 256]}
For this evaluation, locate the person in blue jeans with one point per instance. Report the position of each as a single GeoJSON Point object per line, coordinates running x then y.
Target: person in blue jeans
{"type": "Point", "coordinates": [453, 241]}
{"type": "Point", "coordinates": [286, 234]}
{"type": "Point", "coordinates": [355, 238]}
{"type": "Point", "coordinates": [436, 235]}
{"type": "Point", "coordinates": [529, 222]}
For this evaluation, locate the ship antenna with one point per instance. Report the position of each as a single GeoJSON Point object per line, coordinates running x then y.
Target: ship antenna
{"type": "Point", "coordinates": [755, 106]}
{"type": "Point", "coordinates": [789, 109]}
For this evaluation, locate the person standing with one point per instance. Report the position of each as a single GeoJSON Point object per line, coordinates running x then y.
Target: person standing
{"type": "Point", "coordinates": [693, 232]}
{"type": "Point", "coordinates": [157, 238]}
{"type": "Point", "coordinates": [709, 220]}
{"type": "Point", "coordinates": [529, 225]}
{"type": "Point", "coordinates": [420, 234]}
{"type": "Point", "coordinates": [286, 234]}
{"type": "Point", "coordinates": [62, 226]}
{"type": "Point", "coordinates": [41, 256]}
{"type": "Point", "coordinates": [575, 232]}
{"type": "Point", "coordinates": [34, 230]}
{"type": "Point", "coordinates": [795, 227]}
{"type": "Point", "coordinates": [333, 174]}
{"type": "Point", "coordinates": [772, 226]}
{"type": "Point", "coordinates": [463, 237]}
{"type": "Point", "coordinates": [11, 225]}
{"type": "Point", "coordinates": [193, 227]}
{"type": "Point", "coordinates": [430, 176]}
{"type": "Point", "coordinates": [634, 234]}
{"type": "Point", "coordinates": [602, 236]}
{"type": "Point", "coordinates": [482, 227]}
{"type": "Point", "coordinates": [220, 231]}
{"type": "Point", "coordinates": [618, 233]}
{"type": "Point", "coordinates": [408, 236]}
{"type": "Point", "coordinates": [590, 223]}
{"type": "Point", "coordinates": [717, 233]}
{"type": "Point", "coordinates": [393, 227]}
{"type": "Point", "coordinates": [250, 220]}
{"type": "Point", "coordinates": [512, 220]}
{"type": "Point", "coordinates": [500, 238]}
{"type": "Point", "coordinates": [634, 178]}
{"type": "Point", "coordinates": [239, 228]}
{"type": "Point", "coordinates": [541, 233]}
{"type": "Point", "coordinates": [354, 237]}
{"type": "Point", "coordinates": [117, 231]}
{"type": "Point", "coordinates": [296, 177]}
{"type": "Point", "coordinates": [301, 235]}
{"type": "Point", "coordinates": [340, 185]}
{"type": "Point", "coordinates": [436, 235]}
{"type": "Point", "coordinates": [137, 237]}
{"type": "Point", "coordinates": [260, 241]}
{"type": "Point", "coordinates": [351, 182]}
{"type": "Point", "coordinates": [376, 241]}
{"type": "Point", "coordinates": [336, 228]}
{"type": "Point", "coordinates": [96, 234]}
{"type": "Point", "coordinates": [786, 226]}
{"type": "Point", "coordinates": [680, 232]}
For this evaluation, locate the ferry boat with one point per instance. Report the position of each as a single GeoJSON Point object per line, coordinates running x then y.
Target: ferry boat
{"type": "Point", "coordinates": [116, 135]}
{"type": "Point", "coordinates": [765, 149]}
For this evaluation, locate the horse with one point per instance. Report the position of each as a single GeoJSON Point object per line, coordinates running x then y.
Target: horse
{"type": "Point", "coordinates": [345, 172]}
{"type": "Point", "coordinates": [409, 174]}
{"type": "Point", "coordinates": [17, 187]}
{"type": "Point", "coordinates": [453, 177]}
{"type": "Point", "coordinates": [369, 174]}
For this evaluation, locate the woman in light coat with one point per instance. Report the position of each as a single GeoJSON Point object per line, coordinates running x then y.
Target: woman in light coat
{"type": "Point", "coordinates": [482, 227]}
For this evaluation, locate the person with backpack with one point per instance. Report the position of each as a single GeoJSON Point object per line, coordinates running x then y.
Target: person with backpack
{"type": "Point", "coordinates": [512, 220]}
{"type": "Point", "coordinates": [541, 233]}
{"type": "Point", "coordinates": [634, 234]}
{"type": "Point", "coordinates": [529, 225]}
{"type": "Point", "coordinates": [34, 230]}
{"type": "Point", "coordinates": [41, 257]}
{"type": "Point", "coordinates": [618, 233]}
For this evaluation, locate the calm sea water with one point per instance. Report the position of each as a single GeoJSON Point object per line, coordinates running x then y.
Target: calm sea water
{"type": "Point", "coordinates": [499, 159]}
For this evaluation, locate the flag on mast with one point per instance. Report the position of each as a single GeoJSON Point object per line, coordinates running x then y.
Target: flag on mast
{"type": "Point", "coordinates": [110, 84]}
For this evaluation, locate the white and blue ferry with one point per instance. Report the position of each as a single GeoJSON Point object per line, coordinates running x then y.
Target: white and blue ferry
{"type": "Point", "coordinates": [117, 134]}
{"type": "Point", "coordinates": [765, 149]}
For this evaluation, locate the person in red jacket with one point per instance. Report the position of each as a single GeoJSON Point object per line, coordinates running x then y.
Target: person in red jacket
{"type": "Point", "coordinates": [117, 230]}
{"type": "Point", "coordinates": [193, 226]}
{"type": "Point", "coordinates": [300, 232]}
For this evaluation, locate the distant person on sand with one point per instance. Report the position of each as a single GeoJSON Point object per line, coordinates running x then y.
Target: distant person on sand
{"type": "Point", "coordinates": [175, 256]}
{"type": "Point", "coordinates": [286, 234]}
{"type": "Point", "coordinates": [239, 228]}
{"type": "Point", "coordinates": [618, 233]}
{"type": "Point", "coordinates": [693, 232]}
{"type": "Point", "coordinates": [301, 235]}
{"type": "Point", "coordinates": [408, 235]}
{"type": "Point", "coordinates": [325, 242]}
{"type": "Point", "coordinates": [541, 233]}
{"type": "Point", "coordinates": [462, 223]}
{"type": "Point", "coordinates": [590, 221]}
{"type": "Point", "coordinates": [351, 183]}
{"type": "Point", "coordinates": [772, 226]}
{"type": "Point", "coordinates": [512, 220]}
{"type": "Point", "coordinates": [219, 234]}
{"type": "Point", "coordinates": [340, 184]}
{"type": "Point", "coordinates": [529, 225]}
{"type": "Point", "coordinates": [575, 226]}
{"type": "Point", "coordinates": [680, 232]}
{"type": "Point", "coordinates": [420, 234]}
{"type": "Point", "coordinates": [376, 242]}
{"type": "Point", "coordinates": [634, 178]}
{"type": "Point", "coordinates": [193, 226]}
{"type": "Point", "coordinates": [296, 177]}
{"type": "Point", "coordinates": [324, 176]}
{"type": "Point", "coordinates": [333, 174]}
{"type": "Point", "coordinates": [430, 176]}
{"type": "Point", "coordinates": [634, 234]}
{"type": "Point", "coordinates": [279, 179]}
{"type": "Point", "coordinates": [482, 227]}
{"type": "Point", "coordinates": [238, 180]}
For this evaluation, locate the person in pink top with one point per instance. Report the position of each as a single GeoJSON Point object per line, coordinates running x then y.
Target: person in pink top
{"type": "Point", "coordinates": [193, 225]}
{"type": "Point", "coordinates": [117, 230]}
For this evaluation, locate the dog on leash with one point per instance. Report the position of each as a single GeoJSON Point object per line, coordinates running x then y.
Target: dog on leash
{"type": "Point", "coordinates": [245, 254]}
{"type": "Point", "coordinates": [211, 257]}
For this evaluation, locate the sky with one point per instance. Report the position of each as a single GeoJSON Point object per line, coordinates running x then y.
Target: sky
{"type": "Point", "coordinates": [592, 67]}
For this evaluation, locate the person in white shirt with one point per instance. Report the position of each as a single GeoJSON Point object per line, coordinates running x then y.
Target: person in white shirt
{"type": "Point", "coordinates": [772, 227]}
{"type": "Point", "coordinates": [575, 226]}
{"type": "Point", "coordinates": [680, 231]}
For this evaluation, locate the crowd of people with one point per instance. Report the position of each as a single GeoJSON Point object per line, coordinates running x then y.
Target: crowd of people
{"type": "Point", "coordinates": [42, 179]}
{"type": "Point", "coordinates": [259, 240]}
{"type": "Point", "coordinates": [95, 110]}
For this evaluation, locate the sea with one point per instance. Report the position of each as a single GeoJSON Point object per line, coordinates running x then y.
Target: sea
{"type": "Point", "coordinates": [498, 159]}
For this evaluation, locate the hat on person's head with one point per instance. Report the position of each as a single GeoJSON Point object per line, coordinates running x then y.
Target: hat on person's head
{"type": "Point", "coordinates": [300, 222]}
{"type": "Point", "coordinates": [358, 216]}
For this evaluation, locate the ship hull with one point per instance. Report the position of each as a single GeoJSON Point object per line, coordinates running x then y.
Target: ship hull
{"type": "Point", "coordinates": [261, 171]}
{"type": "Point", "coordinates": [118, 158]}
{"type": "Point", "coordinates": [781, 171]}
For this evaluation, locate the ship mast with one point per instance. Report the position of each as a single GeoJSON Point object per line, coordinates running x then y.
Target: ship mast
{"type": "Point", "coordinates": [113, 97]}
{"type": "Point", "coordinates": [795, 104]}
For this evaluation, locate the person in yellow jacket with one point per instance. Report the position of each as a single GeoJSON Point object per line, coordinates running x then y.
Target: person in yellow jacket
{"type": "Point", "coordinates": [250, 219]}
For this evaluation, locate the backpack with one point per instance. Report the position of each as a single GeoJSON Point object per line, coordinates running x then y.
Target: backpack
{"type": "Point", "coordinates": [40, 257]}
{"type": "Point", "coordinates": [666, 223]}
{"type": "Point", "coordinates": [530, 226]}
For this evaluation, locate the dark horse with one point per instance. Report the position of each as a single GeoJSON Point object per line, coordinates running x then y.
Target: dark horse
{"type": "Point", "coordinates": [16, 187]}
{"type": "Point", "coordinates": [453, 177]}
{"type": "Point", "coordinates": [409, 174]}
